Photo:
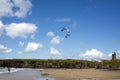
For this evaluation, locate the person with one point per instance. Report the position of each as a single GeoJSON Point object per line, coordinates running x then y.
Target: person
{"type": "Point", "coordinates": [9, 69]}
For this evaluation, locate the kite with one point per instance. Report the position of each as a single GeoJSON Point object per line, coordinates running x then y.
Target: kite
{"type": "Point", "coordinates": [67, 31]}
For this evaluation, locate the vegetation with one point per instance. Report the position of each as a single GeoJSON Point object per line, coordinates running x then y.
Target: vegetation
{"type": "Point", "coordinates": [49, 63]}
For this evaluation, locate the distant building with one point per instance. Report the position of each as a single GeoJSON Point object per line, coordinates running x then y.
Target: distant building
{"type": "Point", "coordinates": [114, 56]}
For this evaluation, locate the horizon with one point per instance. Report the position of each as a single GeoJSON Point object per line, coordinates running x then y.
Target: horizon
{"type": "Point", "coordinates": [31, 29]}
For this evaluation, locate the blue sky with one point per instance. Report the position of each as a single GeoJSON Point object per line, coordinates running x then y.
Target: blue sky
{"type": "Point", "coordinates": [32, 29]}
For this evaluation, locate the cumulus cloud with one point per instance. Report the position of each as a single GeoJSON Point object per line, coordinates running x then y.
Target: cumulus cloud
{"type": "Point", "coordinates": [20, 52]}
{"type": "Point", "coordinates": [50, 34]}
{"type": "Point", "coordinates": [2, 33]}
{"type": "Point", "coordinates": [5, 49]}
{"type": "Point", "coordinates": [92, 54]}
{"type": "Point", "coordinates": [56, 40]}
{"type": "Point", "coordinates": [118, 51]}
{"type": "Point", "coordinates": [17, 8]}
{"type": "Point", "coordinates": [20, 29]}
{"type": "Point", "coordinates": [1, 25]}
{"type": "Point", "coordinates": [33, 47]}
{"type": "Point", "coordinates": [110, 55]}
{"type": "Point", "coordinates": [1, 28]}
{"type": "Point", "coordinates": [63, 20]}
{"type": "Point", "coordinates": [21, 43]}
{"type": "Point", "coordinates": [54, 52]}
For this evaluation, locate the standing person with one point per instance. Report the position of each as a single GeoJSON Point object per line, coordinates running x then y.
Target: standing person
{"type": "Point", "coordinates": [9, 69]}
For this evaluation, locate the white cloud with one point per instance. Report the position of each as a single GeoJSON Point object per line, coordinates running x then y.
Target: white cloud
{"type": "Point", "coordinates": [110, 55]}
{"type": "Point", "coordinates": [92, 54]}
{"type": "Point", "coordinates": [50, 34]}
{"type": "Point", "coordinates": [2, 33]}
{"type": "Point", "coordinates": [118, 51]}
{"type": "Point", "coordinates": [1, 28]}
{"type": "Point", "coordinates": [54, 52]}
{"type": "Point", "coordinates": [18, 8]}
{"type": "Point", "coordinates": [20, 52]}
{"type": "Point", "coordinates": [56, 40]}
{"type": "Point", "coordinates": [5, 49]}
{"type": "Point", "coordinates": [21, 43]}
{"type": "Point", "coordinates": [1, 25]}
{"type": "Point", "coordinates": [32, 47]}
{"type": "Point", "coordinates": [20, 29]}
{"type": "Point", "coordinates": [63, 20]}
{"type": "Point", "coordinates": [24, 7]}
{"type": "Point", "coordinates": [6, 8]}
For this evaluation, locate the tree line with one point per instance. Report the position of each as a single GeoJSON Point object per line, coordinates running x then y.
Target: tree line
{"type": "Point", "coordinates": [68, 63]}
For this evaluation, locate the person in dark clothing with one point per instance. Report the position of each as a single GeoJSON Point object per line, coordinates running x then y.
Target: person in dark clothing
{"type": "Point", "coordinates": [9, 69]}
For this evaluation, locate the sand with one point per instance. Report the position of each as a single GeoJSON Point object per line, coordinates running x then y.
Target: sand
{"type": "Point", "coordinates": [83, 74]}
{"type": "Point", "coordinates": [63, 74]}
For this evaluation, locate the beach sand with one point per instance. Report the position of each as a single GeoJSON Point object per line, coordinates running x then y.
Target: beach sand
{"type": "Point", "coordinates": [83, 74]}
{"type": "Point", "coordinates": [20, 75]}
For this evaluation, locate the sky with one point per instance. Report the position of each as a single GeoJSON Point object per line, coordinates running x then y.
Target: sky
{"type": "Point", "coordinates": [31, 29]}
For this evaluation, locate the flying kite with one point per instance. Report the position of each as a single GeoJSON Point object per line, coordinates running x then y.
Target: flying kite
{"type": "Point", "coordinates": [67, 31]}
